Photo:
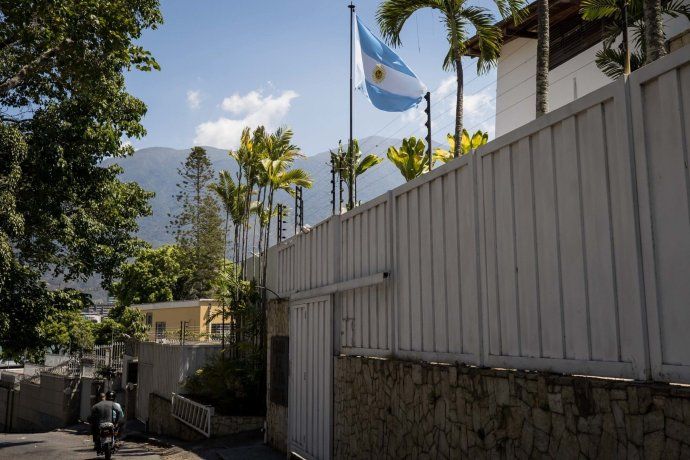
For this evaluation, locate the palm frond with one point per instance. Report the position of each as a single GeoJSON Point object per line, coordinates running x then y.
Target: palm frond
{"type": "Point", "coordinates": [392, 15]}
{"type": "Point", "coordinates": [489, 36]}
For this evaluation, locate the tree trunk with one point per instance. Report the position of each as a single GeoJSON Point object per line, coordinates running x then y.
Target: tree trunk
{"type": "Point", "coordinates": [459, 103]}
{"type": "Point", "coordinates": [543, 58]}
{"type": "Point", "coordinates": [654, 30]}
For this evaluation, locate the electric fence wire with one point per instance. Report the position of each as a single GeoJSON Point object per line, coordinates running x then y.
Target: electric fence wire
{"type": "Point", "coordinates": [477, 124]}
{"type": "Point", "coordinates": [492, 82]}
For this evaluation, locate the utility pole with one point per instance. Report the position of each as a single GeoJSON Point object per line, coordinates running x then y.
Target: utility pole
{"type": "Point", "coordinates": [427, 98]}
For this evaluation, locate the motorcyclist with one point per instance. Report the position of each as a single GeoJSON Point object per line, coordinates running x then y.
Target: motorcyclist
{"type": "Point", "coordinates": [101, 412]}
{"type": "Point", "coordinates": [110, 396]}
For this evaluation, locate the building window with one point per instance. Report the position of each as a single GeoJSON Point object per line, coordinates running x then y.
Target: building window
{"type": "Point", "coordinates": [149, 320]}
{"type": "Point", "coordinates": [217, 330]}
{"type": "Point", "coordinates": [160, 329]}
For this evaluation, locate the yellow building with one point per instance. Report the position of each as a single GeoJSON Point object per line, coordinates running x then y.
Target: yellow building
{"type": "Point", "coordinates": [200, 319]}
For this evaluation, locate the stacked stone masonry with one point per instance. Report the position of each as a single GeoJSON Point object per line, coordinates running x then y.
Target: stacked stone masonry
{"type": "Point", "coordinates": [276, 414]}
{"type": "Point", "coordinates": [397, 409]}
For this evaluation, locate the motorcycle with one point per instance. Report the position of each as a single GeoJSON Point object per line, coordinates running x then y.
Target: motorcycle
{"type": "Point", "coordinates": [108, 435]}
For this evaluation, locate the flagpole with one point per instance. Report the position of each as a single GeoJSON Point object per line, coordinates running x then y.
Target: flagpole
{"type": "Point", "coordinates": [350, 165]}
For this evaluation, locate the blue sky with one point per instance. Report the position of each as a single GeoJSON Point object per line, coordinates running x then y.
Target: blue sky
{"type": "Point", "coordinates": [227, 63]}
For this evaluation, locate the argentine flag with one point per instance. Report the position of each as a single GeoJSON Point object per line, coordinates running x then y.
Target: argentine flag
{"type": "Point", "coordinates": [382, 76]}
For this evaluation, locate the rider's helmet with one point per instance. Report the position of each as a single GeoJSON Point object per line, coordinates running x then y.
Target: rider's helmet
{"type": "Point", "coordinates": [110, 396]}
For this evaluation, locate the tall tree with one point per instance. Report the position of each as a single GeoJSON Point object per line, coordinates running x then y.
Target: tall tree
{"type": "Point", "coordinates": [653, 30]}
{"type": "Point", "coordinates": [155, 275]}
{"type": "Point", "coordinates": [611, 59]}
{"type": "Point", "coordinates": [63, 109]}
{"type": "Point", "coordinates": [456, 15]}
{"type": "Point", "coordinates": [197, 227]}
{"type": "Point", "coordinates": [543, 56]}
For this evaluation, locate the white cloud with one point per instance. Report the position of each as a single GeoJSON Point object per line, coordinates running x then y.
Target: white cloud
{"type": "Point", "coordinates": [193, 99]}
{"type": "Point", "coordinates": [478, 108]}
{"type": "Point", "coordinates": [251, 109]}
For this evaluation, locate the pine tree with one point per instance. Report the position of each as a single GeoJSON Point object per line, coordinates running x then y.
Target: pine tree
{"type": "Point", "coordinates": [197, 227]}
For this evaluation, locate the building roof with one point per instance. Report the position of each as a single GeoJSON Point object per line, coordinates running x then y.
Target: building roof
{"type": "Point", "coordinates": [559, 11]}
{"type": "Point", "coordinates": [172, 304]}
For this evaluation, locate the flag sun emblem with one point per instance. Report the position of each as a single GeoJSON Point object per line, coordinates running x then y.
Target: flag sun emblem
{"type": "Point", "coordinates": [379, 73]}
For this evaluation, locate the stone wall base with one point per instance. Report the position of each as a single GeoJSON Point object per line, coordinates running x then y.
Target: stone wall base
{"type": "Point", "coordinates": [397, 409]}
{"type": "Point", "coordinates": [276, 414]}
{"type": "Point", "coordinates": [161, 422]}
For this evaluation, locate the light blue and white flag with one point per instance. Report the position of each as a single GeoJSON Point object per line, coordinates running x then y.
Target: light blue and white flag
{"type": "Point", "coordinates": [382, 76]}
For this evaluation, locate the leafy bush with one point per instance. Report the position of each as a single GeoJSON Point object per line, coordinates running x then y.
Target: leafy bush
{"type": "Point", "coordinates": [234, 380]}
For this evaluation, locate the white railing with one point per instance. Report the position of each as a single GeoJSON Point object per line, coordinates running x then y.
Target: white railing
{"type": "Point", "coordinates": [108, 356]}
{"type": "Point", "coordinates": [193, 414]}
{"type": "Point", "coordinates": [562, 246]}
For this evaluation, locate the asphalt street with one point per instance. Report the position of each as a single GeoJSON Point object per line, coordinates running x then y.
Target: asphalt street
{"type": "Point", "coordinates": [72, 443]}
{"type": "Point", "coordinates": [75, 443]}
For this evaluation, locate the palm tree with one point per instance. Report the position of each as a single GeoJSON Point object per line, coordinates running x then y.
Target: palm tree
{"type": "Point", "coordinates": [611, 59]}
{"type": "Point", "coordinates": [232, 198]}
{"type": "Point", "coordinates": [341, 162]}
{"type": "Point", "coordinates": [543, 52]}
{"type": "Point", "coordinates": [411, 159]}
{"type": "Point", "coordinates": [467, 144]}
{"type": "Point", "coordinates": [280, 154]}
{"type": "Point", "coordinates": [457, 15]}
{"type": "Point", "coordinates": [653, 30]}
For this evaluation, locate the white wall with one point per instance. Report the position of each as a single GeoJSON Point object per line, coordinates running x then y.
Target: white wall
{"type": "Point", "coordinates": [515, 87]}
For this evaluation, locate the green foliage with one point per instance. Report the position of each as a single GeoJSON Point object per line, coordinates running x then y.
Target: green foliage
{"type": "Point", "coordinates": [121, 324]}
{"type": "Point", "coordinates": [347, 162]}
{"type": "Point", "coordinates": [63, 109]}
{"type": "Point", "coordinates": [234, 380]}
{"type": "Point", "coordinates": [411, 159]}
{"type": "Point", "coordinates": [197, 226]}
{"type": "Point", "coordinates": [610, 59]}
{"type": "Point", "coordinates": [64, 328]}
{"type": "Point", "coordinates": [232, 385]}
{"type": "Point", "coordinates": [467, 144]}
{"type": "Point", "coordinates": [458, 18]}
{"type": "Point", "coordinates": [156, 275]}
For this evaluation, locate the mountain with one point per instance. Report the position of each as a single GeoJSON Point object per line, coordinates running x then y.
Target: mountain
{"type": "Point", "coordinates": [155, 169]}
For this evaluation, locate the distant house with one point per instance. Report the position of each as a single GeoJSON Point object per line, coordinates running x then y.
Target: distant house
{"type": "Point", "coordinates": [573, 72]}
{"type": "Point", "coordinates": [199, 318]}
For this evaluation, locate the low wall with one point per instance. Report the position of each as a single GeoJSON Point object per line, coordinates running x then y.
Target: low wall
{"type": "Point", "coordinates": [398, 409]}
{"type": "Point", "coordinates": [54, 403]}
{"type": "Point", "coordinates": [161, 422]}
{"type": "Point", "coordinates": [9, 397]}
{"type": "Point", "coordinates": [276, 413]}
{"type": "Point", "coordinates": [163, 368]}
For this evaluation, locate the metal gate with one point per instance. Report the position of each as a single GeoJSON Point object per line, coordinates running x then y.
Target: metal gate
{"type": "Point", "coordinates": [311, 378]}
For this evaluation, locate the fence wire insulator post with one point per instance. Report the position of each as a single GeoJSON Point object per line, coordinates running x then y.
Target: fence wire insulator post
{"type": "Point", "coordinates": [427, 97]}
{"type": "Point", "coordinates": [301, 209]}
{"type": "Point", "coordinates": [281, 222]}
{"type": "Point", "coordinates": [332, 184]}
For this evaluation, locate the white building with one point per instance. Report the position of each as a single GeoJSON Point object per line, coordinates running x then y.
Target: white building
{"type": "Point", "coordinates": [573, 72]}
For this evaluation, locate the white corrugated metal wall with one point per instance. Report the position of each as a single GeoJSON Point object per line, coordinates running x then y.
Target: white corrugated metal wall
{"type": "Point", "coordinates": [311, 377]}
{"type": "Point", "coordinates": [561, 246]}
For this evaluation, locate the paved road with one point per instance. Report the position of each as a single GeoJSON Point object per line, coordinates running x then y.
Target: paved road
{"type": "Point", "coordinates": [71, 443]}
{"type": "Point", "coordinates": [75, 443]}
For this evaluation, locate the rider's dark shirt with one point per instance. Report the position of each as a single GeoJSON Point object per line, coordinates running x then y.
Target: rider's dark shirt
{"type": "Point", "coordinates": [106, 411]}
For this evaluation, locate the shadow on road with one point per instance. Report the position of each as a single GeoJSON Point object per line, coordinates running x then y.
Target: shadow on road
{"type": "Point", "coordinates": [18, 443]}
